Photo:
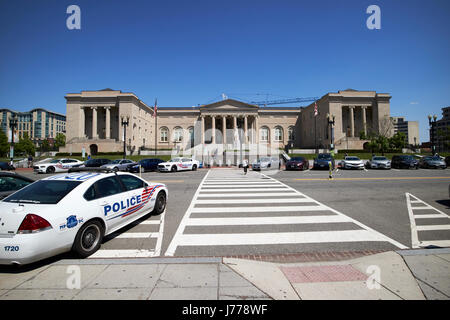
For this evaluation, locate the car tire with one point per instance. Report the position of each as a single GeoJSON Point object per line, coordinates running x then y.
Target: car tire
{"type": "Point", "coordinates": [173, 169]}
{"type": "Point", "coordinates": [50, 169]}
{"type": "Point", "coordinates": [89, 239]}
{"type": "Point", "coordinates": [194, 167]}
{"type": "Point", "coordinates": [115, 169]}
{"type": "Point", "coordinates": [160, 203]}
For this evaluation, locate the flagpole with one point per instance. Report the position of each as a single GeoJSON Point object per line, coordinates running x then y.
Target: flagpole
{"type": "Point", "coordinates": [156, 127]}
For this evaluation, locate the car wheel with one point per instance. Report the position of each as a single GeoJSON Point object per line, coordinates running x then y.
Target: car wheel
{"type": "Point", "coordinates": [173, 169]}
{"type": "Point", "coordinates": [115, 169]}
{"type": "Point", "coordinates": [50, 170]}
{"type": "Point", "coordinates": [89, 239]}
{"type": "Point", "coordinates": [194, 167]}
{"type": "Point", "coordinates": [160, 203]}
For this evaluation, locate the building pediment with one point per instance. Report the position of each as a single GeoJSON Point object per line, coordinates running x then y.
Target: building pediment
{"type": "Point", "coordinates": [228, 105]}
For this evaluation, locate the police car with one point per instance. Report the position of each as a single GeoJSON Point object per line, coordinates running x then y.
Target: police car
{"type": "Point", "coordinates": [179, 164]}
{"type": "Point", "coordinates": [73, 212]}
{"type": "Point", "coordinates": [56, 165]}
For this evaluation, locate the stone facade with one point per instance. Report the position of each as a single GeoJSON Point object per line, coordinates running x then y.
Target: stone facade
{"type": "Point", "coordinates": [94, 122]}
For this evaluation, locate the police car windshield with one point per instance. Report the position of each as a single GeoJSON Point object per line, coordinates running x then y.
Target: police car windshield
{"type": "Point", "coordinates": [55, 161]}
{"type": "Point", "coordinates": [43, 192]}
{"type": "Point", "coordinates": [175, 160]}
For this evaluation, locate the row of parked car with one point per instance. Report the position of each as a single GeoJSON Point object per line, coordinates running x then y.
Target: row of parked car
{"type": "Point", "coordinates": [323, 160]}
{"type": "Point", "coordinates": [150, 164]}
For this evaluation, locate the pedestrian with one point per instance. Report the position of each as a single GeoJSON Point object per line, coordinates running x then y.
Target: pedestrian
{"type": "Point", "coordinates": [89, 157]}
{"type": "Point", "coordinates": [245, 165]}
{"type": "Point", "coordinates": [30, 161]}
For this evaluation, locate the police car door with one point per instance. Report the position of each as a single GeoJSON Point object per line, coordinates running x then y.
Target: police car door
{"type": "Point", "coordinates": [138, 196]}
{"type": "Point", "coordinates": [187, 164]}
{"type": "Point", "coordinates": [109, 195]}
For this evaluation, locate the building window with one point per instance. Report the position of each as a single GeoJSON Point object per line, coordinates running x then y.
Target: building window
{"type": "Point", "coordinates": [291, 136]}
{"type": "Point", "coordinates": [264, 134]}
{"type": "Point", "coordinates": [278, 134]}
{"type": "Point", "coordinates": [178, 134]}
{"type": "Point", "coordinates": [164, 134]}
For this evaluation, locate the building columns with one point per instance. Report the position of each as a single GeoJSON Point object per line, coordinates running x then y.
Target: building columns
{"type": "Point", "coordinates": [364, 119]}
{"type": "Point", "coordinates": [224, 130]}
{"type": "Point", "coordinates": [245, 129]}
{"type": "Point", "coordinates": [94, 123]}
{"type": "Point", "coordinates": [108, 123]}
{"type": "Point", "coordinates": [213, 133]}
{"type": "Point", "coordinates": [82, 132]}
{"type": "Point", "coordinates": [352, 121]}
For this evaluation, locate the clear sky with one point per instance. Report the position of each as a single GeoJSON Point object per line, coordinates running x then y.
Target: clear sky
{"type": "Point", "coordinates": [190, 52]}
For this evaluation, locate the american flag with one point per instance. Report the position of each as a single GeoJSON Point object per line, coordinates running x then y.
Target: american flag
{"type": "Point", "coordinates": [155, 108]}
{"type": "Point", "coordinates": [316, 112]}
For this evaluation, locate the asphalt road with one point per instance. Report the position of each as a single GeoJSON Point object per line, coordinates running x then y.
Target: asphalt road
{"type": "Point", "coordinates": [374, 198]}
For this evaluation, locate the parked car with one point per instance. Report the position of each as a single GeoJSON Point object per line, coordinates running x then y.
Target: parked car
{"type": "Point", "coordinates": [432, 162]}
{"type": "Point", "coordinates": [378, 162]}
{"type": "Point", "coordinates": [447, 161]}
{"type": "Point", "coordinates": [146, 165]}
{"type": "Point", "coordinates": [404, 162]}
{"type": "Point", "coordinates": [322, 161]}
{"type": "Point", "coordinates": [179, 164]}
{"type": "Point", "coordinates": [266, 163]}
{"type": "Point", "coordinates": [297, 163]}
{"type": "Point", "coordinates": [6, 166]}
{"type": "Point", "coordinates": [95, 163]}
{"type": "Point", "coordinates": [119, 164]}
{"type": "Point", "coordinates": [56, 165]}
{"type": "Point", "coordinates": [11, 182]}
{"type": "Point", "coordinates": [352, 162]}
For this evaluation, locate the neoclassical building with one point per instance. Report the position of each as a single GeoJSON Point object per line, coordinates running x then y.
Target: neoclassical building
{"type": "Point", "coordinates": [95, 122]}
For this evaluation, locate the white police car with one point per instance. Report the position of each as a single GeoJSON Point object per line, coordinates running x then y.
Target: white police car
{"type": "Point", "coordinates": [73, 211]}
{"type": "Point", "coordinates": [56, 165]}
{"type": "Point", "coordinates": [179, 164]}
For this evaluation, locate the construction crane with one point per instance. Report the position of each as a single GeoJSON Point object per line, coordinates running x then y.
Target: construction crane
{"type": "Point", "coordinates": [283, 101]}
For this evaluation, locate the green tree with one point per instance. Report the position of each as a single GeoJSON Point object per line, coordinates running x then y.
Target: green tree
{"type": "Point", "coordinates": [60, 140]}
{"type": "Point", "coordinates": [398, 141]}
{"type": "Point", "coordinates": [4, 145]}
{"type": "Point", "coordinates": [25, 145]}
{"type": "Point", "coordinates": [45, 146]}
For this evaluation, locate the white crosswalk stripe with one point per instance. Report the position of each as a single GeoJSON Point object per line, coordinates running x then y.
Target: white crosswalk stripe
{"type": "Point", "coordinates": [228, 207]}
{"type": "Point", "coordinates": [422, 211]}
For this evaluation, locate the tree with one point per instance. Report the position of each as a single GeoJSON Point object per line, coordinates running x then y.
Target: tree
{"type": "Point", "coordinates": [4, 145]}
{"type": "Point", "coordinates": [45, 146]}
{"type": "Point", "coordinates": [398, 141]}
{"type": "Point", "coordinates": [60, 140]}
{"type": "Point", "coordinates": [25, 145]}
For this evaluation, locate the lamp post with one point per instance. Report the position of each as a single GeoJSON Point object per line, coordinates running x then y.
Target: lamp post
{"type": "Point", "coordinates": [331, 121]}
{"type": "Point", "coordinates": [432, 124]}
{"type": "Point", "coordinates": [125, 122]}
{"type": "Point", "coordinates": [12, 125]}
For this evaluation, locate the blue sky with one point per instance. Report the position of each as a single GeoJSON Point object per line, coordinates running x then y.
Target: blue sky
{"type": "Point", "coordinates": [189, 52]}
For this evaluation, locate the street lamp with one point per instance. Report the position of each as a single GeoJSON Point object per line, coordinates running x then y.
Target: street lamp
{"type": "Point", "coordinates": [12, 125]}
{"type": "Point", "coordinates": [331, 121]}
{"type": "Point", "coordinates": [125, 122]}
{"type": "Point", "coordinates": [432, 124]}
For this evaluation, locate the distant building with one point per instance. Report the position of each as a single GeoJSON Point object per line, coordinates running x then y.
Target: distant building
{"type": "Point", "coordinates": [95, 123]}
{"type": "Point", "coordinates": [442, 131]}
{"type": "Point", "coordinates": [409, 128]}
{"type": "Point", "coordinates": [40, 124]}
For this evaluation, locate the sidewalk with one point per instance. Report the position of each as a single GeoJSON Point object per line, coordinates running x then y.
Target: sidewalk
{"type": "Point", "coordinates": [406, 274]}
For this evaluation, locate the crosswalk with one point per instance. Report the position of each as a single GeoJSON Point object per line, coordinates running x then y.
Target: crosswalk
{"type": "Point", "coordinates": [429, 226]}
{"type": "Point", "coordinates": [233, 210]}
{"type": "Point", "coordinates": [141, 239]}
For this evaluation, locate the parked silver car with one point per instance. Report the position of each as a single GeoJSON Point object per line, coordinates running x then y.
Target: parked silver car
{"type": "Point", "coordinates": [265, 163]}
{"type": "Point", "coordinates": [378, 162]}
{"type": "Point", "coordinates": [352, 162]}
{"type": "Point", "coordinates": [119, 164]}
